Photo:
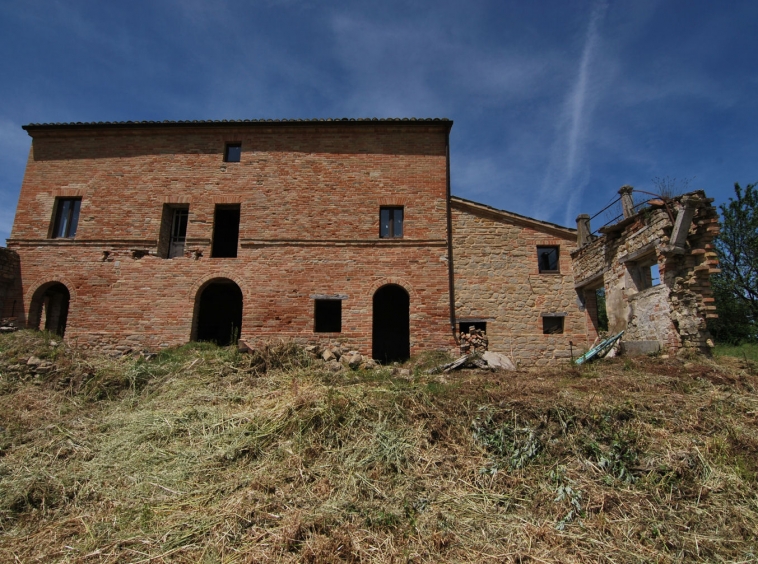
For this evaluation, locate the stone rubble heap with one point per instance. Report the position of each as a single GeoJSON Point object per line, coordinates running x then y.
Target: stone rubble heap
{"type": "Point", "coordinates": [337, 358]}
{"type": "Point", "coordinates": [8, 325]}
{"type": "Point", "coordinates": [474, 341]}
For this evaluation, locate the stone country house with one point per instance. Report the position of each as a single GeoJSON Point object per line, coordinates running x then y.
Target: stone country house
{"type": "Point", "coordinates": [141, 235]}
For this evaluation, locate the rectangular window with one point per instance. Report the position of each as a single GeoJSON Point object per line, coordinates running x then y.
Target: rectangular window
{"type": "Point", "coordinates": [226, 230]}
{"type": "Point", "coordinates": [391, 222]}
{"type": "Point", "coordinates": [547, 259]}
{"type": "Point", "coordinates": [233, 152]}
{"type": "Point", "coordinates": [327, 316]}
{"type": "Point", "coordinates": [552, 324]}
{"type": "Point", "coordinates": [66, 217]}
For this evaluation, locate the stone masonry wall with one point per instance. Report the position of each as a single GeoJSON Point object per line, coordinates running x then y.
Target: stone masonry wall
{"type": "Point", "coordinates": [309, 198]}
{"type": "Point", "coordinates": [673, 312]}
{"type": "Point", "coordinates": [497, 279]}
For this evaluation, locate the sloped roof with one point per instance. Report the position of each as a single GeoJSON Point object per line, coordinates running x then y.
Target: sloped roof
{"type": "Point", "coordinates": [483, 209]}
{"type": "Point", "coordinates": [217, 122]}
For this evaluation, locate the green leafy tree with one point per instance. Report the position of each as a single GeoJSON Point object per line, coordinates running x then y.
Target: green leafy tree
{"type": "Point", "coordinates": [736, 287]}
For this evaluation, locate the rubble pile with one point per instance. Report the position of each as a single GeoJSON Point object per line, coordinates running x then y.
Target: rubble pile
{"type": "Point", "coordinates": [474, 341]}
{"type": "Point", "coordinates": [8, 325]}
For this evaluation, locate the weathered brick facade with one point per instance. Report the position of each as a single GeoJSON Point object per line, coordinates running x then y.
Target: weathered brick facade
{"type": "Point", "coordinates": [309, 196]}
{"type": "Point", "coordinates": [498, 282]}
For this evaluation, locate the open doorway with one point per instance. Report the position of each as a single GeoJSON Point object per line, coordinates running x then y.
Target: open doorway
{"type": "Point", "coordinates": [218, 312]}
{"type": "Point", "coordinates": [391, 328]}
{"type": "Point", "coordinates": [49, 308]}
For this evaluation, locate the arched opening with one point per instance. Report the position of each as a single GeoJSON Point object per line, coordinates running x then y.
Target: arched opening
{"type": "Point", "coordinates": [218, 312]}
{"type": "Point", "coordinates": [391, 329]}
{"type": "Point", "coordinates": [49, 308]}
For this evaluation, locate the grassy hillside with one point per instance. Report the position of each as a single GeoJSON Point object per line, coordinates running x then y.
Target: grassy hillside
{"type": "Point", "coordinates": [204, 455]}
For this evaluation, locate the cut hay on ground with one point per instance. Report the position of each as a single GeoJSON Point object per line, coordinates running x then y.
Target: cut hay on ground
{"type": "Point", "coordinates": [205, 455]}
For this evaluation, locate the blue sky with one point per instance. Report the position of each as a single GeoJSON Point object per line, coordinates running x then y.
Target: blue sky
{"type": "Point", "coordinates": [556, 104]}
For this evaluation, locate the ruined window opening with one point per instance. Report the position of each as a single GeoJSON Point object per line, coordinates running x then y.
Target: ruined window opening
{"type": "Point", "coordinates": [552, 324]}
{"type": "Point", "coordinates": [226, 230]}
{"type": "Point", "coordinates": [602, 312]}
{"type": "Point", "coordinates": [66, 217]}
{"type": "Point", "coordinates": [547, 259]}
{"type": "Point", "coordinates": [391, 222]}
{"type": "Point", "coordinates": [233, 152]}
{"type": "Point", "coordinates": [645, 273]}
{"type": "Point", "coordinates": [327, 316]}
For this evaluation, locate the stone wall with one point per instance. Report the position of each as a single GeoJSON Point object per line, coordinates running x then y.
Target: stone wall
{"type": "Point", "coordinates": [309, 198]}
{"type": "Point", "coordinates": [672, 313]}
{"type": "Point", "coordinates": [10, 285]}
{"type": "Point", "coordinates": [498, 282]}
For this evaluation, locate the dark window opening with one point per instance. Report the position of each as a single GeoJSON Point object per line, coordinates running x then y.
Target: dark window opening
{"type": "Point", "coordinates": [547, 258]}
{"type": "Point", "coordinates": [233, 152]}
{"type": "Point", "coordinates": [219, 313]}
{"type": "Point", "coordinates": [602, 312]}
{"type": "Point", "coordinates": [226, 230]}
{"type": "Point", "coordinates": [49, 308]}
{"type": "Point", "coordinates": [66, 217]}
{"type": "Point", "coordinates": [552, 325]}
{"type": "Point", "coordinates": [391, 223]}
{"type": "Point", "coordinates": [391, 333]}
{"type": "Point", "coordinates": [327, 316]}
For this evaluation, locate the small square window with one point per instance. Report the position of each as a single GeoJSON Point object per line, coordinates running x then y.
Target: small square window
{"type": "Point", "coordinates": [233, 152]}
{"type": "Point", "coordinates": [66, 217]}
{"type": "Point", "coordinates": [547, 259]}
{"type": "Point", "coordinates": [327, 316]}
{"type": "Point", "coordinates": [552, 325]}
{"type": "Point", "coordinates": [391, 222]}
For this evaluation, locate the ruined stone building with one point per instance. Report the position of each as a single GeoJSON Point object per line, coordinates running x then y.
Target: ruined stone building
{"type": "Point", "coordinates": [655, 266]}
{"type": "Point", "coordinates": [152, 234]}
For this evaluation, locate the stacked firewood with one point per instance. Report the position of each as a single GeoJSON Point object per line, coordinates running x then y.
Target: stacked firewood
{"type": "Point", "coordinates": [474, 341]}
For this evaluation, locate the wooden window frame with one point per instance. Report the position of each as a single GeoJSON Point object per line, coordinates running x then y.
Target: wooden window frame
{"type": "Point", "coordinates": [72, 218]}
{"type": "Point", "coordinates": [392, 222]}
{"type": "Point", "coordinates": [557, 250]}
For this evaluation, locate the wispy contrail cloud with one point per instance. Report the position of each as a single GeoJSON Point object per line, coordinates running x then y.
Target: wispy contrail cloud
{"type": "Point", "coordinates": [578, 100]}
{"type": "Point", "coordinates": [564, 176]}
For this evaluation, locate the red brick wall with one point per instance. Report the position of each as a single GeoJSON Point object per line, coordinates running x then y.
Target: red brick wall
{"type": "Point", "coordinates": [309, 199]}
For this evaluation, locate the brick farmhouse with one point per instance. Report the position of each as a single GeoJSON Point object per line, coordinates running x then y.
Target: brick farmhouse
{"type": "Point", "coordinates": [141, 235]}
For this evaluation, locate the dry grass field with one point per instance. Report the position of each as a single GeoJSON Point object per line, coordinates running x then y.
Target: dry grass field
{"type": "Point", "coordinates": [202, 454]}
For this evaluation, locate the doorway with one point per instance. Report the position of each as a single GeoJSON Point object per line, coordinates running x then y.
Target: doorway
{"type": "Point", "coordinates": [218, 310]}
{"type": "Point", "coordinates": [391, 327]}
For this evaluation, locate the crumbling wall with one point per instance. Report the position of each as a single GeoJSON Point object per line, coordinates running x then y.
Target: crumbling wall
{"type": "Point", "coordinates": [623, 260]}
{"type": "Point", "coordinates": [11, 307]}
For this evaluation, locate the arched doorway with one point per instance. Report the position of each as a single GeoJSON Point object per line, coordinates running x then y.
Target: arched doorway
{"type": "Point", "coordinates": [218, 312]}
{"type": "Point", "coordinates": [49, 308]}
{"type": "Point", "coordinates": [391, 328]}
